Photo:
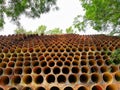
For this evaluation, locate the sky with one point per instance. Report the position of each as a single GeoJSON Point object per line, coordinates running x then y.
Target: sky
{"type": "Point", "coordinates": [63, 18]}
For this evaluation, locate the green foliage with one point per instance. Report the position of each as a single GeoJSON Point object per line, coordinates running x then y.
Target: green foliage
{"type": "Point", "coordinates": [41, 30]}
{"type": "Point", "coordinates": [31, 8]}
{"type": "Point", "coordinates": [20, 30]}
{"type": "Point", "coordinates": [102, 15]}
{"type": "Point", "coordinates": [115, 57]}
{"type": "Point", "coordinates": [55, 31]}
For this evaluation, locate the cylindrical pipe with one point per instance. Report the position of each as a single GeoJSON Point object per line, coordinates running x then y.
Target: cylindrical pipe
{"type": "Point", "coordinates": [11, 64]}
{"type": "Point", "coordinates": [84, 78]}
{"type": "Point", "coordinates": [27, 79]}
{"type": "Point", "coordinates": [75, 63]}
{"type": "Point", "coordinates": [111, 87]}
{"type": "Point", "coordinates": [16, 80]}
{"type": "Point", "coordinates": [107, 77]}
{"type": "Point", "coordinates": [19, 63]}
{"type": "Point", "coordinates": [43, 63]}
{"type": "Point", "coordinates": [39, 79]}
{"type": "Point", "coordinates": [3, 64]}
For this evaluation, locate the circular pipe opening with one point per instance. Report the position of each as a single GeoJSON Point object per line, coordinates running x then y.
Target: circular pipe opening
{"type": "Point", "coordinates": [46, 70]}
{"type": "Point", "coordinates": [54, 88]}
{"type": "Point", "coordinates": [111, 87]}
{"type": "Point", "coordinates": [27, 79]}
{"type": "Point", "coordinates": [37, 70]}
{"type": "Point", "coordinates": [84, 78]}
{"type": "Point", "coordinates": [56, 70]}
{"type": "Point", "coordinates": [95, 77]}
{"type": "Point", "coordinates": [82, 88]}
{"type": "Point", "coordinates": [50, 78]}
{"type": "Point", "coordinates": [72, 78]}
{"type": "Point", "coordinates": [61, 79]}
{"type": "Point", "coordinates": [39, 79]}
{"type": "Point", "coordinates": [16, 80]}
{"type": "Point", "coordinates": [68, 88]}
{"type": "Point", "coordinates": [5, 80]}
{"type": "Point", "coordinates": [3, 65]}
{"type": "Point", "coordinates": [98, 87]}
{"type": "Point", "coordinates": [35, 63]}
{"type": "Point", "coordinates": [107, 77]}
{"type": "Point", "coordinates": [40, 88]}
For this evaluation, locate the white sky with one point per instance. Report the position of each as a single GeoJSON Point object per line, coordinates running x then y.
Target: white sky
{"type": "Point", "coordinates": [63, 18]}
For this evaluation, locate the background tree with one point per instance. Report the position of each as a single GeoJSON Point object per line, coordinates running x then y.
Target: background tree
{"type": "Point", "coordinates": [30, 8]}
{"type": "Point", "coordinates": [101, 15]}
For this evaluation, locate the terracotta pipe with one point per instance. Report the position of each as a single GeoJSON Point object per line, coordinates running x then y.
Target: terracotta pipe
{"type": "Point", "coordinates": [61, 78]}
{"type": "Point", "coordinates": [82, 88]}
{"type": "Point", "coordinates": [95, 77]}
{"type": "Point", "coordinates": [50, 78]}
{"type": "Point", "coordinates": [4, 80]}
{"type": "Point", "coordinates": [117, 76]}
{"type": "Point", "coordinates": [72, 78]}
{"type": "Point", "coordinates": [51, 63]}
{"type": "Point", "coordinates": [46, 70]}
{"type": "Point", "coordinates": [8, 71]}
{"type": "Point", "coordinates": [68, 88]}
{"type": "Point", "coordinates": [40, 88]}
{"type": "Point", "coordinates": [37, 70]}
{"type": "Point", "coordinates": [54, 88]}
{"type": "Point", "coordinates": [27, 70]}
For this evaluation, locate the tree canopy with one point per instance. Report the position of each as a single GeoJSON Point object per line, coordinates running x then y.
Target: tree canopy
{"type": "Point", "coordinates": [31, 8]}
{"type": "Point", "coordinates": [102, 15]}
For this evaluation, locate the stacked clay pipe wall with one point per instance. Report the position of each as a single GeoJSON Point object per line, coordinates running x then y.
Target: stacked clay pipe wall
{"type": "Point", "coordinates": [58, 62]}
